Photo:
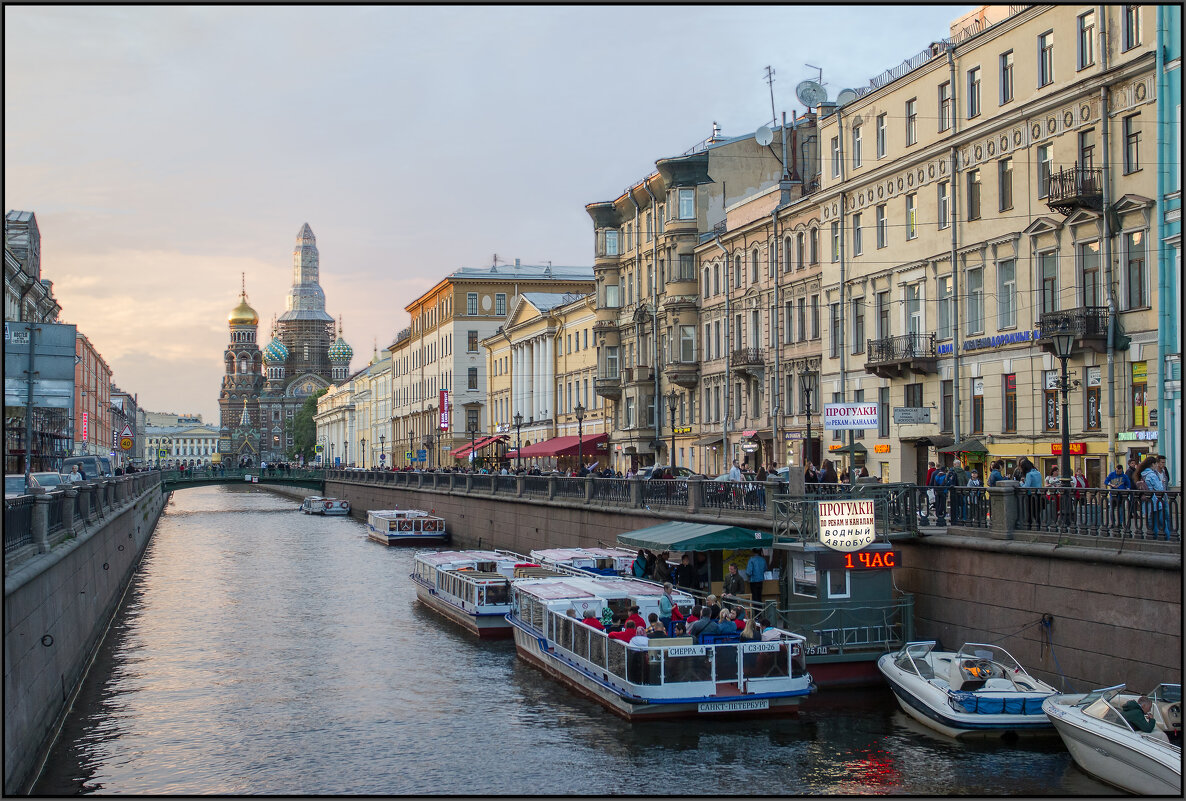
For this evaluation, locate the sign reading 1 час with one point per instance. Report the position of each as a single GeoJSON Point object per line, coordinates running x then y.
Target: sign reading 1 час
{"type": "Point", "coordinates": [846, 525]}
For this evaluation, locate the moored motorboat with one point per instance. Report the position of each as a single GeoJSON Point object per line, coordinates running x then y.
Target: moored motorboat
{"type": "Point", "coordinates": [471, 588]}
{"type": "Point", "coordinates": [670, 677]}
{"type": "Point", "coordinates": [979, 690]}
{"type": "Point", "coordinates": [1104, 743]}
{"type": "Point", "coordinates": [317, 505]}
{"type": "Point", "coordinates": [391, 526]}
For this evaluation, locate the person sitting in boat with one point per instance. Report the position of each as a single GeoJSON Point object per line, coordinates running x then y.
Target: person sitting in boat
{"type": "Point", "coordinates": [626, 634]}
{"type": "Point", "coordinates": [591, 621]}
{"type": "Point", "coordinates": [701, 625]}
{"type": "Point", "coordinates": [712, 603]}
{"type": "Point", "coordinates": [768, 631]}
{"type": "Point", "coordinates": [680, 629]}
{"type": "Point", "coordinates": [752, 631]}
{"type": "Point", "coordinates": [737, 618]}
{"type": "Point", "coordinates": [636, 618]}
{"type": "Point", "coordinates": [666, 603]}
{"type": "Point", "coordinates": [734, 583]}
{"type": "Point", "coordinates": [685, 574]}
{"type": "Point", "coordinates": [694, 615]}
{"type": "Point", "coordinates": [654, 627]}
{"type": "Point", "coordinates": [1139, 714]}
{"type": "Point", "coordinates": [640, 639]}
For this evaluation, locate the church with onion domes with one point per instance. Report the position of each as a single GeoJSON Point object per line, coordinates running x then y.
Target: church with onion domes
{"type": "Point", "coordinates": [263, 389]}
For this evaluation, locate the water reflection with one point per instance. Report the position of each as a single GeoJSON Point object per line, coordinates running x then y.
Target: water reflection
{"type": "Point", "coordinates": [265, 651]}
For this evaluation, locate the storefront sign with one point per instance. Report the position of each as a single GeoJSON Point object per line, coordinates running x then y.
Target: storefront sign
{"type": "Point", "coordinates": [1093, 376]}
{"type": "Point", "coordinates": [876, 558]}
{"type": "Point", "coordinates": [912, 414]}
{"type": "Point", "coordinates": [684, 430]}
{"type": "Point", "coordinates": [850, 415]}
{"type": "Point", "coordinates": [846, 525]}
{"type": "Point", "coordinates": [85, 420]}
{"type": "Point", "coordinates": [1077, 448]}
{"type": "Point", "coordinates": [881, 448]}
{"type": "Point", "coordinates": [444, 407]}
{"type": "Point", "coordinates": [982, 343]}
{"type": "Point", "coordinates": [1140, 371]}
{"type": "Point", "coordinates": [1136, 435]}
{"type": "Point", "coordinates": [748, 433]}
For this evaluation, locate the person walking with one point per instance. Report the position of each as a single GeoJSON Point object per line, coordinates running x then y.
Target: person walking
{"type": "Point", "coordinates": [1153, 503]}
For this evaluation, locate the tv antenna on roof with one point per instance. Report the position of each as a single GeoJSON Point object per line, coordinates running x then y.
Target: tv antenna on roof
{"type": "Point", "coordinates": [770, 82]}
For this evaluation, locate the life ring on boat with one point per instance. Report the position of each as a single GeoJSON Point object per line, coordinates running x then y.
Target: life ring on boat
{"type": "Point", "coordinates": [430, 525]}
{"type": "Point", "coordinates": [405, 525]}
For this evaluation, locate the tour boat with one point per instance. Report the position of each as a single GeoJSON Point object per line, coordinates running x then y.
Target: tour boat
{"type": "Point", "coordinates": [672, 677]}
{"type": "Point", "coordinates": [599, 561]}
{"type": "Point", "coordinates": [317, 505]}
{"type": "Point", "coordinates": [1106, 746]}
{"type": "Point", "coordinates": [390, 526]}
{"type": "Point", "coordinates": [471, 588]}
{"type": "Point", "coordinates": [978, 690]}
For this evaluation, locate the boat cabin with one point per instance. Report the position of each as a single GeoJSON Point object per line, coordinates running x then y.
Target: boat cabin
{"type": "Point", "coordinates": [599, 561]}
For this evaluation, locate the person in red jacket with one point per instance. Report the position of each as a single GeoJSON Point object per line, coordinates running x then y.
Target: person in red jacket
{"type": "Point", "coordinates": [625, 635]}
{"type": "Point", "coordinates": [636, 618]}
{"type": "Point", "coordinates": [591, 621]}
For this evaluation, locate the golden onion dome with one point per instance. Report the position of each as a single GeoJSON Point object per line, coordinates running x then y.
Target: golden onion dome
{"type": "Point", "coordinates": [243, 314]}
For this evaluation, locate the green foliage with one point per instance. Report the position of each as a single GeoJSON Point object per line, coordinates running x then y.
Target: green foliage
{"type": "Point", "coordinates": [304, 430]}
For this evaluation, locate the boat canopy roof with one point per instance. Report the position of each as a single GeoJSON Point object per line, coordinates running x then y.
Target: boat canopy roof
{"type": "Point", "coordinates": [440, 558]}
{"type": "Point", "coordinates": [604, 587]}
{"type": "Point", "coordinates": [678, 536]}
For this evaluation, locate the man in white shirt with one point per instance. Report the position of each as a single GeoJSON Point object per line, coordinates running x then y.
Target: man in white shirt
{"type": "Point", "coordinates": [735, 472]}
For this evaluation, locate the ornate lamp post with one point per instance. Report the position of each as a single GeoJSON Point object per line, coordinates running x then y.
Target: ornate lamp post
{"type": "Point", "coordinates": [473, 433]}
{"type": "Point", "coordinates": [672, 400]}
{"type": "Point", "coordinates": [345, 453]}
{"type": "Point", "coordinates": [1064, 342]}
{"type": "Point", "coordinates": [363, 451]}
{"type": "Point", "coordinates": [411, 446]}
{"type": "Point", "coordinates": [518, 440]}
{"type": "Point", "coordinates": [331, 455]}
{"type": "Point", "coordinates": [428, 448]}
{"type": "Point", "coordinates": [382, 450]}
{"type": "Point", "coordinates": [807, 380]}
{"type": "Point", "coordinates": [580, 413]}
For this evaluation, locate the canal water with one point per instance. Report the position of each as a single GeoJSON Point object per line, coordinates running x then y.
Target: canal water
{"type": "Point", "coordinates": [262, 651]}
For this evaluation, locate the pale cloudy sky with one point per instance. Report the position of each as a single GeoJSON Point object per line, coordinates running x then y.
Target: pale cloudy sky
{"type": "Point", "coordinates": [165, 150]}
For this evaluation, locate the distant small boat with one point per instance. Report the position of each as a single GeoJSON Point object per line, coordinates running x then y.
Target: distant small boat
{"type": "Point", "coordinates": [1103, 743]}
{"type": "Point", "coordinates": [394, 526]}
{"type": "Point", "coordinates": [317, 505]}
{"type": "Point", "coordinates": [979, 690]}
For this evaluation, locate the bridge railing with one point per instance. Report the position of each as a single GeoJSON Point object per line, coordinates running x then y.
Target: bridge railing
{"type": "Point", "coordinates": [1094, 512]}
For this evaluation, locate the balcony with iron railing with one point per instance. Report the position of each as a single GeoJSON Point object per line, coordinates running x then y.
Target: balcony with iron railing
{"type": "Point", "coordinates": [897, 356]}
{"type": "Point", "coordinates": [1073, 188]}
{"type": "Point", "coordinates": [639, 374]}
{"type": "Point", "coordinates": [750, 361]}
{"type": "Point", "coordinates": [1088, 323]}
{"type": "Point", "coordinates": [684, 374]}
{"type": "Point", "coordinates": [608, 382]}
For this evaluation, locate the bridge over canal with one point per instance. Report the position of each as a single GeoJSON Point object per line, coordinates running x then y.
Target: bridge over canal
{"type": "Point", "coordinates": [178, 480]}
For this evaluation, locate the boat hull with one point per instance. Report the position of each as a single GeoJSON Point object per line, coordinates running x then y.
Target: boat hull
{"type": "Point", "coordinates": [1114, 761]}
{"type": "Point", "coordinates": [532, 649]}
{"type": "Point", "coordinates": [396, 538]}
{"type": "Point", "coordinates": [484, 627]}
{"type": "Point", "coordinates": [914, 698]}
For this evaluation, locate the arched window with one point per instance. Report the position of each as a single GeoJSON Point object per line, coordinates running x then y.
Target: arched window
{"type": "Point", "coordinates": [707, 287]}
{"type": "Point", "coordinates": [243, 365]}
{"type": "Point", "coordinates": [786, 254]}
{"type": "Point", "coordinates": [737, 271]}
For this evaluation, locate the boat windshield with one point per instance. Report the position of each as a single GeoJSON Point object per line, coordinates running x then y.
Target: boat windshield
{"type": "Point", "coordinates": [1169, 693]}
{"type": "Point", "coordinates": [912, 658]}
{"type": "Point", "coordinates": [993, 653]}
{"type": "Point", "coordinates": [1095, 695]}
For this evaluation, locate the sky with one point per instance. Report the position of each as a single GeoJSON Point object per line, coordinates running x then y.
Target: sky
{"type": "Point", "coordinates": [167, 150]}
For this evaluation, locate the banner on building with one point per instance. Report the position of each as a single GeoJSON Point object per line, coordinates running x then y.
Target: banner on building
{"type": "Point", "coordinates": [53, 364]}
{"type": "Point", "coordinates": [850, 415]}
{"type": "Point", "coordinates": [85, 420]}
{"type": "Point", "coordinates": [444, 407]}
{"type": "Point", "coordinates": [846, 525]}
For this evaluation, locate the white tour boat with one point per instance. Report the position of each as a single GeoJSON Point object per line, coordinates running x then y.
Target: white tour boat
{"type": "Point", "coordinates": [978, 690]}
{"type": "Point", "coordinates": [390, 526]}
{"type": "Point", "coordinates": [317, 505]}
{"type": "Point", "coordinates": [671, 677]}
{"type": "Point", "coordinates": [1104, 744]}
{"type": "Point", "coordinates": [599, 561]}
{"type": "Point", "coordinates": [471, 588]}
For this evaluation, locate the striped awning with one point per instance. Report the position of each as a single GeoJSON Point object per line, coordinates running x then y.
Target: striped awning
{"type": "Point", "coordinates": [478, 444]}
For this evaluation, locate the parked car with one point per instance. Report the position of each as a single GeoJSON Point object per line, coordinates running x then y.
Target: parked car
{"type": "Point", "coordinates": [50, 480]}
{"type": "Point", "coordinates": [655, 470]}
{"type": "Point", "coordinates": [14, 486]}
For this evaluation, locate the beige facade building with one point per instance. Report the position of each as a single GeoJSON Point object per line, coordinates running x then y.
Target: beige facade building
{"type": "Point", "coordinates": [962, 210]}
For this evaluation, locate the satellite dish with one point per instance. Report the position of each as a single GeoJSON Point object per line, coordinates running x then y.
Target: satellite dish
{"type": "Point", "coordinates": [811, 94]}
{"type": "Point", "coordinates": [764, 136]}
{"type": "Point", "coordinates": [845, 96]}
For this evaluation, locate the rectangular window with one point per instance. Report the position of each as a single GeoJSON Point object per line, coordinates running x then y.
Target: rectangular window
{"type": "Point", "coordinates": [1005, 183]}
{"type": "Point", "coordinates": [687, 267]}
{"type": "Point", "coordinates": [944, 105]}
{"type": "Point", "coordinates": [911, 121]}
{"type": "Point", "coordinates": [1132, 143]}
{"type": "Point", "coordinates": [975, 302]}
{"type": "Point", "coordinates": [788, 322]}
{"type": "Point", "coordinates": [814, 246]}
{"type": "Point", "coordinates": [882, 230]}
{"type": "Point", "coordinates": [1006, 294]}
{"type": "Point", "coordinates": [500, 304]}
{"type": "Point", "coordinates": [815, 316]}
{"type": "Point", "coordinates": [1009, 421]}
{"type": "Point", "coordinates": [943, 302]}
{"type": "Point", "coordinates": [649, 226]}
{"type": "Point", "coordinates": [835, 241]}
{"type": "Point", "coordinates": [1134, 270]}
{"type": "Point", "coordinates": [973, 194]}
{"type": "Point", "coordinates": [1140, 400]}
{"type": "Point", "coordinates": [834, 329]}
{"type": "Point", "coordinates": [856, 235]}
{"type": "Point", "coordinates": [1046, 59]}
{"type": "Point", "coordinates": [914, 309]}
{"type": "Point", "coordinates": [881, 135]}
{"type": "Point", "coordinates": [611, 243]}
{"type": "Point", "coordinates": [946, 405]}
{"type": "Point", "coordinates": [858, 325]}
{"type": "Point", "coordinates": [473, 378]}
{"type": "Point", "coordinates": [943, 204]}
{"type": "Point", "coordinates": [687, 204]}
{"type": "Point", "coordinates": [1006, 61]}
{"type": "Point", "coordinates": [1045, 167]}
{"type": "Point", "coordinates": [911, 216]}
{"type": "Point", "coordinates": [799, 251]}
{"type": "Point", "coordinates": [914, 396]}
{"type": "Point", "coordinates": [1050, 400]}
{"type": "Point", "coordinates": [612, 296]}
{"type": "Point", "coordinates": [977, 405]}
{"type": "Point", "coordinates": [856, 146]}
{"type": "Point", "coordinates": [835, 156]}
{"type": "Point", "coordinates": [1132, 27]}
{"type": "Point", "coordinates": [1089, 273]}
{"type": "Point", "coordinates": [471, 341]}
{"type": "Point", "coordinates": [1086, 40]}
{"type": "Point", "coordinates": [1087, 149]}
{"type": "Point", "coordinates": [1048, 275]}
{"type": "Point", "coordinates": [687, 344]}
{"type": "Point", "coordinates": [883, 315]}
{"type": "Point", "coordinates": [883, 412]}
{"type": "Point", "coordinates": [973, 92]}
{"type": "Point", "coordinates": [801, 320]}
{"type": "Point", "coordinates": [471, 304]}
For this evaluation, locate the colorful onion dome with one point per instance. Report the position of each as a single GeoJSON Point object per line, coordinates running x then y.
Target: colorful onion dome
{"type": "Point", "coordinates": [340, 351]}
{"type": "Point", "coordinates": [275, 351]}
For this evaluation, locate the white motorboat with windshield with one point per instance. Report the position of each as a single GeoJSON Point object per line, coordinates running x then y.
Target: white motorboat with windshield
{"type": "Point", "coordinates": [390, 526]}
{"type": "Point", "coordinates": [978, 690]}
{"type": "Point", "coordinates": [670, 677]}
{"type": "Point", "coordinates": [599, 561]}
{"type": "Point", "coordinates": [317, 505]}
{"type": "Point", "coordinates": [1104, 743]}
{"type": "Point", "coordinates": [471, 588]}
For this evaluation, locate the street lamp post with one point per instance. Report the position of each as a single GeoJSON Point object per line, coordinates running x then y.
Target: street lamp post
{"type": "Point", "coordinates": [580, 413]}
{"type": "Point", "coordinates": [331, 455]}
{"type": "Point", "coordinates": [363, 450]}
{"type": "Point", "coordinates": [807, 380]}
{"type": "Point", "coordinates": [473, 433]}
{"type": "Point", "coordinates": [345, 453]}
{"type": "Point", "coordinates": [1064, 342]}
{"type": "Point", "coordinates": [672, 399]}
{"type": "Point", "coordinates": [411, 446]}
{"type": "Point", "coordinates": [382, 450]}
{"type": "Point", "coordinates": [518, 439]}
{"type": "Point", "coordinates": [428, 448]}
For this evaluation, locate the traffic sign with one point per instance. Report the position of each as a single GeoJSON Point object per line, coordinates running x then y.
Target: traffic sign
{"type": "Point", "coordinates": [127, 432]}
{"type": "Point", "coordinates": [421, 455]}
{"type": "Point", "coordinates": [317, 449]}
{"type": "Point", "coordinates": [125, 443]}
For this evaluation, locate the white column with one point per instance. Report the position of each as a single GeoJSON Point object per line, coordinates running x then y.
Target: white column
{"type": "Point", "coordinates": [529, 378]}
{"type": "Point", "coordinates": [537, 389]}
{"type": "Point", "coordinates": [514, 379]}
{"type": "Point", "coordinates": [550, 373]}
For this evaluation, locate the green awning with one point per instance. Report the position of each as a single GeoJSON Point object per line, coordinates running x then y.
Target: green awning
{"type": "Point", "coordinates": [856, 447]}
{"type": "Point", "coordinates": [694, 537]}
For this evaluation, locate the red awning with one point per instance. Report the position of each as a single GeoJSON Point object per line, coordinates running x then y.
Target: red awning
{"type": "Point", "coordinates": [568, 446]}
{"type": "Point", "coordinates": [479, 444]}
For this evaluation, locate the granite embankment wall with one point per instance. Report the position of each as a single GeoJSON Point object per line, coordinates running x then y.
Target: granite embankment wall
{"type": "Point", "coordinates": [1113, 615]}
{"type": "Point", "coordinates": [57, 607]}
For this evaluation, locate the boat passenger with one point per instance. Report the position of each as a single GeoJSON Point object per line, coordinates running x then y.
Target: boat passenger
{"type": "Point", "coordinates": [666, 604]}
{"type": "Point", "coordinates": [711, 603]}
{"type": "Point", "coordinates": [752, 632]}
{"type": "Point", "coordinates": [625, 635]}
{"type": "Point", "coordinates": [654, 627]}
{"type": "Point", "coordinates": [640, 639]}
{"type": "Point", "coordinates": [1139, 714]}
{"type": "Point", "coordinates": [572, 613]}
{"type": "Point", "coordinates": [662, 569]}
{"type": "Point", "coordinates": [700, 626]}
{"type": "Point", "coordinates": [696, 613]}
{"type": "Point", "coordinates": [685, 574]}
{"type": "Point", "coordinates": [636, 618]}
{"type": "Point", "coordinates": [768, 631]}
{"type": "Point", "coordinates": [639, 568]}
{"type": "Point", "coordinates": [591, 621]}
{"type": "Point", "coordinates": [734, 584]}
{"type": "Point", "coordinates": [681, 630]}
